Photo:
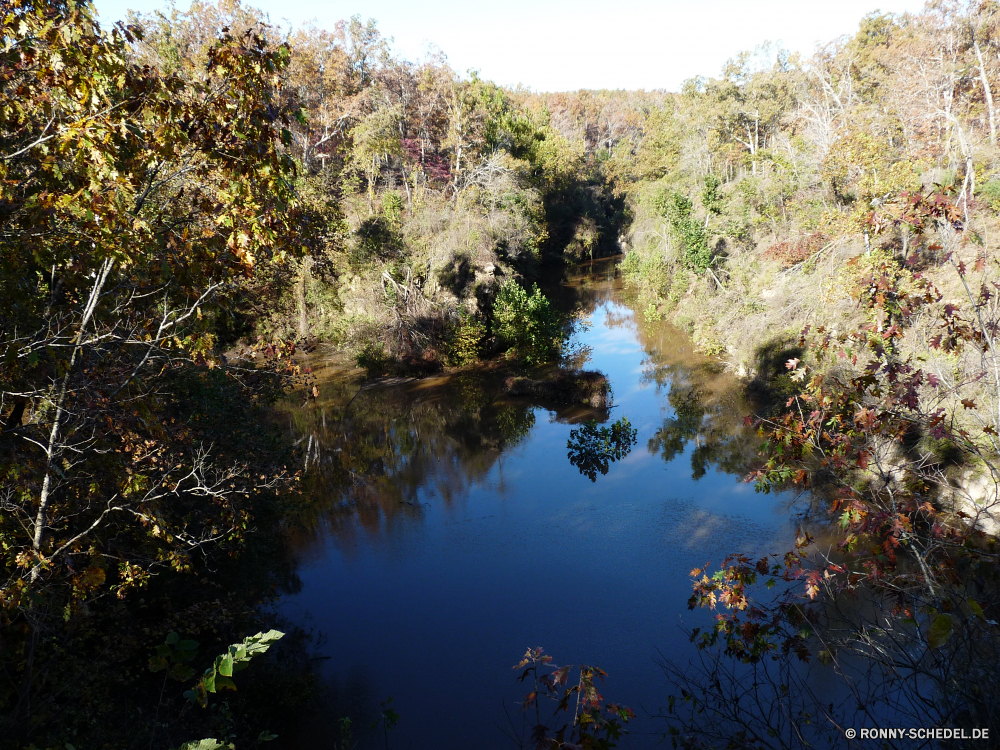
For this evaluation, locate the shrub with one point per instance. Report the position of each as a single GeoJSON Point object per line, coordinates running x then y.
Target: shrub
{"type": "Point", "coordinates": [688, 231]}
{"type": "Point", "coordinates": [464, 339]}
{"type": "Point", "coordinates": [371, 356]}
{"type": "Point", "coordinates": [526, 323]}
{"type": "Point", "coordinates": [711, 196]}
{"type": "Point", "coordinates": [990, 194]}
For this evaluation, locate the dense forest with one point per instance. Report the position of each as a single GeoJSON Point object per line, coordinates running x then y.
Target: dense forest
{"type": "Point", "coordinates": [190, 200]}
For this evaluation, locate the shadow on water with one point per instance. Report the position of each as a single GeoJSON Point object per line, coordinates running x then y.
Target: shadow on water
{"type": "Point", "coordinates": [448, 529]}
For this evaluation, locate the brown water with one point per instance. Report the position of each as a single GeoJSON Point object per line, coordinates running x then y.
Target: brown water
{"type": "Point", "coordinates": [451, 532]}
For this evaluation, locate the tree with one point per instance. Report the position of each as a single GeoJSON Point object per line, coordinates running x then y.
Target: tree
{"type": "Point", "coordinates": [135, 202]}
{"type": "Point", "coordinates": [526, 323]}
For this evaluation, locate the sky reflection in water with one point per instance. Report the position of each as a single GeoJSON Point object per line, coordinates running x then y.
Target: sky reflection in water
{"type": "Point", "coordinates": [497, 547]}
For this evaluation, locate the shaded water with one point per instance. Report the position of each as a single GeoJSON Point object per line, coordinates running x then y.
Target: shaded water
{"type": "Point", "coordinates": [451, 532]}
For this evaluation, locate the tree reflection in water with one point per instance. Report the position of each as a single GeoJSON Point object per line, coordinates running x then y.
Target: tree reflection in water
{"type": "Point", "coordinates": [592, 449]}
{"type": "Point", "coordinates": [372, 455]}
{"type": "Point", "coordinates": [708, 406]}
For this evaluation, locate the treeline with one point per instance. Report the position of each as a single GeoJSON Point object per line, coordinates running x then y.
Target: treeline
{"type": "Point", "coordinates": [750, 191]}
{"type": "Point", "coordinates": [428, 190]}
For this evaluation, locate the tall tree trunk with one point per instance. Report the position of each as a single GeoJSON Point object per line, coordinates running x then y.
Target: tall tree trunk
{"type": "Point", "coordinates": [52, 450]}
{"type": "Point", "coordinates": [987, 92]}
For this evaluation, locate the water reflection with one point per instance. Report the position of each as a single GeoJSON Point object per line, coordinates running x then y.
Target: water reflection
{"type": "Point", "coordinates": [447, 528]}
{"type": "Point", "coordinates": [593, 449]}
{"type": "Point", "coordinates": [375, 454]}
{"type": "Point", "coordinates": [705, 408]}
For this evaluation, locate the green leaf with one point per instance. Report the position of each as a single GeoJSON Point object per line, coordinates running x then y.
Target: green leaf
{"type": "Point", "coordinates": [181, 672]}
{"type": "Point", "coordinates": [976, 609]}
{"type": "Point", "coordinates": [157, 663]}
{"type": "Point", "coordinates": [225, 665]}
{"type": "Point", "coordinates": [172, 639]}
{"type": "Point", "coordinates": [187, 645]}
{"type": "Point", "coordinates": [940, 631]}
{"type": "Point", "coordinates": [258, 644]}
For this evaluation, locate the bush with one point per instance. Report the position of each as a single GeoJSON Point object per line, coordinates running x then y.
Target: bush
{"type": "Point", "coordinates": [464, 339]}
{"type": "Point", "coordinates": [990, 194]}
{"type": "Point", "coordinates": [688, 231]}
{"type": "Point", "coordinates": [527, 324]}
{"type": "Point", "coordinates": [372, 357]}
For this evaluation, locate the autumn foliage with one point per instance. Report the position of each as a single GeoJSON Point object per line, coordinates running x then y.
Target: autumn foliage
{"type": "Point", "coordinates": [874, 437]}
{"type": "Point", "coordinates": [135, 205]}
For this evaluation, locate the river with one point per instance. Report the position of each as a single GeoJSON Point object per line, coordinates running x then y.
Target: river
{"type": "Point", "coordinates": [450, 532]}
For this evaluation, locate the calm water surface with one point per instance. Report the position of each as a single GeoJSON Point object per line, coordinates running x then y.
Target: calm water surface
{"type": "Point", "coordinates": [452, 532]}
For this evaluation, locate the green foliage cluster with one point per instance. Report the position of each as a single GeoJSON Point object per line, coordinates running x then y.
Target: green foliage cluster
{"type": "Point", "coordinates": [372, 358]}
{"type": "Point", "coordinates": [690, 234]}
{"type": "Point", "coordinates": [990, 193]}
{"type": "Point", "coordinates": [174, 657]}
{"type": "Point", "coordinates": [237, 657]}
{"type": "Point", "coordinates": [465, 339]}
{"type": "Point", "coordinates": [526, 323]}
{"type": "Point", "coordinates": [712, 197]}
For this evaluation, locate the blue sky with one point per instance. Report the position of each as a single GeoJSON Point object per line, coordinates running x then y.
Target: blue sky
{"type": "Point", "coordinates": [552, 45]}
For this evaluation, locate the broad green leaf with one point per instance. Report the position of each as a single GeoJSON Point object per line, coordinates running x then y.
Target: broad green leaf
{"type": "Point", "coordinates": [157, 663]}
{"type": "Point", "coordinates": [940, 631]}
{"type": "Point", "coordinates": [225, 665]}
{"type": "Point", "coordinates": [181, 672]}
